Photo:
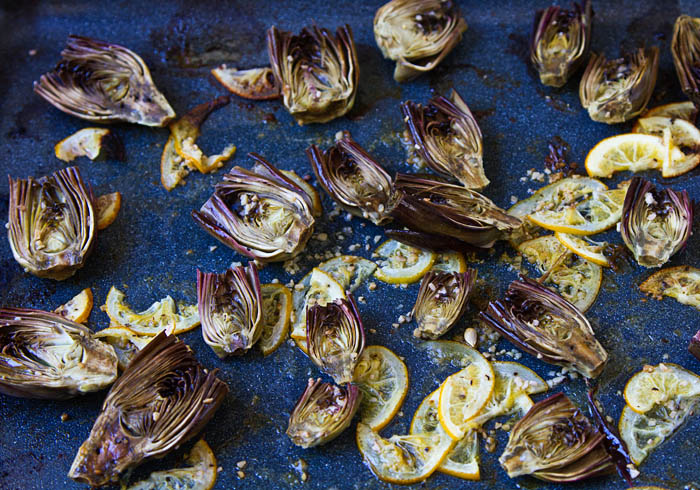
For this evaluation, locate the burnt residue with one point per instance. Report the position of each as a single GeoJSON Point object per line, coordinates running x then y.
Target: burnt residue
{"type": "Point", "coordinates": [441, 78]}
{"type": "Point", "coordinates": [656, 21]}
{"type": "Point", "coordinates": [557, 160]}
{"type": "Point", "coordinates": [519, 46]}
{"type": "Point", "coordinates": [375, 85]}
{"type": "Point", "coordinates": [553, 101]}
{"type": "Point", "coordinates": [27, 118]}
{"type": "Point", "coordinates": [483, 113]}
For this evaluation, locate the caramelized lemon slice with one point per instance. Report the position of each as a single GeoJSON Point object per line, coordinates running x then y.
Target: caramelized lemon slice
{"type": "Point", "coordinates": [681, 283]}
{"type": "Point", "coordinates": [107, 207]}
{"type": "Point", "coordinates": [631, 151]}
{"type": "Point", "coordinates": [402, 264]}
{"type": "Point", "coordinates": [277, 310]}
{"type": "Point", "coordinates": [657, 385]}
{"type": "Point", "coordinates": [77, 308]}
{"type": "Point", "coordinates": [318, 287]}
{"type": "Point", "coordinates": [681, 110]}
{"type": "Point", "coordinates": [585, 247]}
{"type": "Point", "coordinates": [449, 262]}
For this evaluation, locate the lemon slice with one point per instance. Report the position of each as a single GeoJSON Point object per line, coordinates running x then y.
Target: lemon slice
{"type": "Point", "coordinates": [681, 283]}
{"type": "Point", "coordinates": [301, 343]}
{"type": "Point", "coordinates": [161, 315]}
{"type": "Point", "coordinates": [682, 110]}
{"type": "Point", "coordinates": [318, 287]}
{"type": "Point", "coordinates": [173, 168]}
{"type": "Point", "coordinates": [464, 394]}
{"type": "Point", "coordinates": [630, 151]}
{"type": "Point", "coordinates": [585, 247]}
{"type": "Point", "coordinates": [125, 342]}
{"type": "Point", "coordinates": [86, 142]}
{"type": "Point", "coordinates": [656, 385]}
{"type": "Point", "coordinates": [683, 156]}
{"type": "Point", "coordinates": [383, 379]}
{"type": "Point", "coordinates": [107, 208]}
{"type": "Point", "coordinates": [78, 308]}
{"type": "Point", "coordinates": [643, 433]}
{"type": "Point", "coordinates": [402, 264]}
{"type": "Point", "coordinates": [349, 271]}
{"type": "Point", "coordinates": [512, 387]}
{"type": "Point", "coordinates": [200, 474]}
{"type": "Point", "coordinates": [316, 208]}
{"type": "Point", "coordinates": [277, 310]}
{"type": "Point", "coordinates": [463, 459]}
{"type": "Point", "coordinates": [402, 459]}
{"type": "Point", "coordinates": [449, 262]}
{"type": "Point", "coordinates": [450, 352]}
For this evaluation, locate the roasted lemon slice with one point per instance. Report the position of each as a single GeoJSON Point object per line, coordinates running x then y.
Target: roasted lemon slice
{"type": "Point", "coordinates": [78, 308]}
{"type": "Point", "coordinates": [316, 208]}
{"type": "Point", "coordinates": [678, 135]}
{"type": "Point", "coordinates": [573, 277]}
{"type": "Point", "coordinates": [402, 459]}
{"type": "Point", "coordinates": [464, 394]}
{"type": "Point", "coordinates": [383, 379]}
{"type": "Point", "coordinates": [318, 287]}
{"type": "Point", "coordinates": [449, 262]}
{"type": "Point", "coordinates": [681, 283]}
{"type": "Point", "coordinates": [513, 385]}
{"type": "Point", "coordinates": [161, 315]}
{"type": "Point", "coordinates": [86, 142]}
{"type": "Point", "coordinates": [349, 270]}
{"type": "Point", "coordinates": [107, 207]}
{"type": "Point", "coordinates": [681, 110]}
{"type": "Point", "coordinates": [402, 264]}
{"type": "Point", "coordinates": [449, 352]}
{"type": "Point", "coordinates": [277, 310]}
{"type": "Point", "coordinates": [656, 385]}
{"type": "Point", "coordinates": [631, 151]}
{"type": "Point", "coordinates": [200, 474]}
{"type": "Point", "coordinates": [585, 247]}
{"type": "Point", "coordinates": [642, 433]}
{"type": "Point", "coordinates": [125, 342]}
{"type": "Point", "coordinates": [173, 168]}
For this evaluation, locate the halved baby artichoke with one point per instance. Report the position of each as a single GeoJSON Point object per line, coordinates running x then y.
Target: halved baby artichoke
{"type": "Point", "coordinates": [261, 214]}
{"type": "Point", "coordinates": [52, 223]}
{"type": "Point", "coordinates": [560, 42]}
{"type": "Point", "coordinates": [318, 72]}
{"type": "Point", "coordinates": [542, 323]}
{"type": "Point", "coordinates": [655, 223]}
{"type": "Point", "coordinates": [44, 355]}
{"type": "Point", "coordinates": [104, 82]}
{"type": "Point", "coordinates": [230, 309]}
{"type": "Point", "coordinates": [617, 90]}
{"type": "Point", "coordinates": [442, 299]}
{"type": "Point", "coordinates": [335, 338]}
{"type": "Point", "coordinates": [451, 212]}
{"type": "Point", "coordinates": [417, 34]}
{"type": "Point", "coordinates": [556, 442]}
{"type": "Point", "coordinates": [685, 48]}
{"type": "Point", "coordinates": [163, 399]}
{"type": "Point", "coordinates": [322, 413]}
{"type": "Point", "coordinates": [354, 179]}
{"type": "Point", "coordinates": [447, 137]}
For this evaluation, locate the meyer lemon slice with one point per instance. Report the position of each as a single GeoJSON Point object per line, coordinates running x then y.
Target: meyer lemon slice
{"type": "Point", "coordinates": [630, 151]}
{"type": "Point", "coordinates": [125, 342]}
{"type": "Point", "coordinates": [107, 207]}
{"type": "Point", "coordinates": [277, 310]}
{"type": "Point", "coordinates": [173, 168]}
{"type": "Point", "coordinates": [349, 270]}
{"type": "Point", "coordinates": [86, 142]}
{"type": "Point", "coordinates": [78, 308]}
{"type": "Point", "coordinates": [683, 156]}
{"type": "Point", "coordinates": [449, 262]}
{"type": "Point", "coordinates": [318, 287]}
{"type": "Point", "coordinates": [316, 208]}
{"type": "Point", "coordinates": [402, 264]}
{"type": "Point", "coordinates": [383, 379]}
{"type": "Point", "coordinates": [161, 315]}
{"type": "Point", "coordinates": [585, 247]}
{"type": "Point", "coordinates": [657, 385]}
{"type": "Point", "coordinates": [402, 459]}
{"type": "Point", "coordinates": [681, 283]}
{"type": "Point", "coordinates": [682, 110]}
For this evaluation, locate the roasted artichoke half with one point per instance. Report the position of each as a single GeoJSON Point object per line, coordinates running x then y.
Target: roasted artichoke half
{"type": "Point", "coordinates": [354, 179]}
{"type": "Point", "coordinates": [442, 299]}
{"type": "Point", "coordinates": [322, 413]}
{"type": "Point", "coordinates": [104, 82]}
{"type": "Point", "coordinates": [318, 72]}
{"type": "Point", "coordinates": [542, 323]}
{"type": "Point", "coordinates": [556, 442]}
{"type": "Point", "coordinates": [655, 223]}
{"type": "Point", "coordinates": [685, 48]}
{"type": "Point", "coordinates": [335, 338]}
{"type": "Point", "coordinates": [52, 223]}
{"type": "Point", "coordinates": [446, 136]}
{"type": "Point", "coordinates": [560, 42]}
{"type": "Point", "coordinates": [615, 91]}
{"type": "Point", "coordinates": [417, 34]}
{"type": "Point", "coordinates": [230, 309]}
{"type": "Point", "coordinates": [163, 399]}
{"type": "Point", "coordinates": [259, 213]}
{"type": "Point", "coordinates": [44, 355]}
{"type": "Point", "coordinates": [432, 207]}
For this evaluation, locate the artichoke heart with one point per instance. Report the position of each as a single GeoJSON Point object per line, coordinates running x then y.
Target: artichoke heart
{"type": "Point", "coordinates": [44, 355]}
{"type": "Point", "coordinates": [318, 72]}
{"type": "Point", "coordinates": [447, 137]}
{"type": "Point", "coordinates": [322, 413]}
{"type": "Point", "coordinates": [354, 179]}
{"type": "Point", "coordinates": [262, 214]}
{"type": "Point", "coordinates": [163, 399]}
{"type": "Point", "coordinates": [104, 82]}
{"type": "Point", "coordinates": [685, 48]}
{"type": "Point", "coordinates": [655, 223]}
{"type": "Point", "coordinates": [542, 323]}
{"type": "Point", "coordinates": [52, 223]}
{"type": "Point", "coordinates": [442, 299]}
{"type": "Point", "coordinates": [230, 309]}
{"type": "Point", "coordinates": [615, 91]}
{"type": "Point", "coordinates": [335, 337]}
{"type": "Point", "coordinates": [560, 42]}
{"type": "Point", "coordinates": [417, 34]}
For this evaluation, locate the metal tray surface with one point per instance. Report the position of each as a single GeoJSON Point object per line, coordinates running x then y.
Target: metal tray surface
{"type": "Point", "coordinates": [154, 247]}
